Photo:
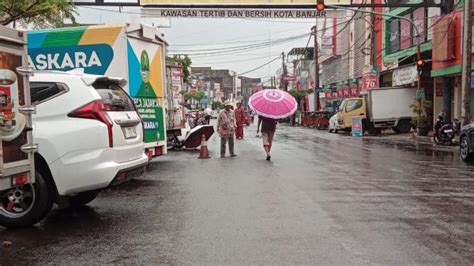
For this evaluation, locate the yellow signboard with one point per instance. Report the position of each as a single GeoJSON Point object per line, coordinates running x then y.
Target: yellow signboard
{"type": "Point", "coordinates": [244, 3]}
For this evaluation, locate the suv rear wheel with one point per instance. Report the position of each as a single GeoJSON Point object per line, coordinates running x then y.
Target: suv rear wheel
{"type": "Point", "coordinates": [82, 198]}
{"type": "Point", "coordinates": [25, 205]}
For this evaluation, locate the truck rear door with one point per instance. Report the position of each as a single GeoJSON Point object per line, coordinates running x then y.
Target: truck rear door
{"type": "Point", "coordinates": [16, 148]}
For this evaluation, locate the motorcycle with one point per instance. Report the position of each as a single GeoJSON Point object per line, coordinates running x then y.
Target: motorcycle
{"type": "Point", "coordinates": [444, 132]}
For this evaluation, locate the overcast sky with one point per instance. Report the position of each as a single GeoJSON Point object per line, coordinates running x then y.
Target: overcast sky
{"type": "Point", "coordinates": [203, 36]}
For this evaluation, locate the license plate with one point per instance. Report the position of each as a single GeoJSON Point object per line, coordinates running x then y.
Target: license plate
{"type": "Point", "coordinates": [448, 131]}
{"type": "Point", "coordinates": [129, 132]}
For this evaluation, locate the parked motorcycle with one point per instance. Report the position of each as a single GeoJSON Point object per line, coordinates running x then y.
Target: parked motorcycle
{"type": "Point", "coordinates": [444, 132]}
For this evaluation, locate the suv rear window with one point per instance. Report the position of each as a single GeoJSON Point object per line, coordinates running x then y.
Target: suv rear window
{"type": "Point", "coordinates": [113, 96]}
{"type": "Point", "coordinates": [42, 91]}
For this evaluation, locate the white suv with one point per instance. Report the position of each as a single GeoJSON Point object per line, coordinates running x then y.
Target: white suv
{"type": "Point", "coordinates": [90, 137]}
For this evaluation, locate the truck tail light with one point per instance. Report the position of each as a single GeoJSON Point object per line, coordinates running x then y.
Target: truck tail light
{"type": "Point", "coordinates": [96, 110]}
{"type": "Point", "coordinates": [20, 179]}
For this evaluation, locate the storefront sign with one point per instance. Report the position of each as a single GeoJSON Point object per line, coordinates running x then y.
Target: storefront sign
{"type": "Point", "coordinates": [175, 77]}
{"type": "Point", "coordinates": [354, 91]}
{"type": "Point", "coordinates": [328, 95]}
{"type": "Point", "coordinates": [235, 12]}
{"type": "Point", "coordinates": [347, 93]}
{"type": "Point", "coordinates": [357, 129]}
{"type": "Point", "coordinates": [270, 3]}
{"type": "Point", "coordinates": [340, 94]}
{"type": "Point", "coordinates": [420, 94]}
{"type": "Point", "coordinates": [404, 76]}
{"type": "Point", "coordinates": [370, 81]}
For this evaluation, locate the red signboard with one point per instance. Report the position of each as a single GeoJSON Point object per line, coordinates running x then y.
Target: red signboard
{"type": "Point", "coordinates": [340, 94]}
{"type": "Point", "coordinates": [347, 92]}
{"type": "Point", "coordinates": [370, 81]}
{"type": "Point", "coordinates": [354, 91]}
{"type": "Point", "coordinates": [289, 78]}
{"type": "Point", "coordinates": [328, 95]}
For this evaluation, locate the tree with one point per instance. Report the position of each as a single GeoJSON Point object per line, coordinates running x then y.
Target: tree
{"type": "Point", "coordinates": [185, 62]}
{"type": "Point", "coordinates": [194, 95]}
{"type": "Point", "coordinates": [37, 13]}
{"type": "Point", "coordinates": [300, 95]}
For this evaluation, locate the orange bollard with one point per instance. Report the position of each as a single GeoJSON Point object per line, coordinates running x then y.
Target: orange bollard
{"type": "Point", "coordinates": [204, 152]}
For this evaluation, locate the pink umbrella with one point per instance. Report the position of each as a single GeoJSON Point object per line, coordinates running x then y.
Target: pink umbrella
{"type": "Point", "coordinates": [271, 103]}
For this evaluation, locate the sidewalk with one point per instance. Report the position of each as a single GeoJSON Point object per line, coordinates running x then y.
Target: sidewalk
{"type": "Point", "coordinates": [412, 137]}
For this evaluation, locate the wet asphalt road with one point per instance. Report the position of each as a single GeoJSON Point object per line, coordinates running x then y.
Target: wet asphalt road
{"type": "Point", "coordinates": [323, 199]}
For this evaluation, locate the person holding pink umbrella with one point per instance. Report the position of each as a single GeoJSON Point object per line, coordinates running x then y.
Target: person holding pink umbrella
{"type": "Point", "coordinates": [268, 131]}
{"type": "Point", "coordinates": [271, 105]}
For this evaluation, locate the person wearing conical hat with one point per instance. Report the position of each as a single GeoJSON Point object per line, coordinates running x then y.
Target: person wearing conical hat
{"type": "Point", "coordinates": [226, 128]}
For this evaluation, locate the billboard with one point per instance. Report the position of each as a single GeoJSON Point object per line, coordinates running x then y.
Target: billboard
{"type": "Point", "coordinates": [237, 3]}
{"type": "Point", "coordinates": [106, 50]}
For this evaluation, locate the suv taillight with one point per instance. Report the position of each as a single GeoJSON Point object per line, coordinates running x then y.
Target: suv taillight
{"type": "Point", "coordinates": [98, 111]}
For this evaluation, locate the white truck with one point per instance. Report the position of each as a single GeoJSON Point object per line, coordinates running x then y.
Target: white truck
{"type": "Point", "coordinates": [135, 52]}
{"type": "Point", "coordinates": [174, 109]}
{"type": "Point", "coordinates": [17, 175]}
{"type": "Point", "coordinates": [382, 108]}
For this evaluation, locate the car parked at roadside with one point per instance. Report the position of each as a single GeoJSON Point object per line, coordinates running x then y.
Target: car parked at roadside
{"type": "Point", "coordinates": [466, 142]}
{"type": "Point", "coordinates": [90, 137]}
{"type": "Point", "coordinates": [332, 127]}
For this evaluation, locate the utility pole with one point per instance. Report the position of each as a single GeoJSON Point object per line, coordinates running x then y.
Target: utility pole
{"type": "Point", "coordinates": [316, 68]}
{"type": "Point", "coordinates": [284, 83]}
{"type": "Point", "coordinates": [466, 61]}
{"type": "Point", "coordinates": [372, 39]}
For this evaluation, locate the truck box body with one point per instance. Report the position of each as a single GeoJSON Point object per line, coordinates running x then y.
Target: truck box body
{"type": "Point", "coordinates": [382, 108]}
{"type": "Point", "coordinates": [174, 86]}
{"type": "Point", "coordinates": [390, 103]}
{"type": "Point", "coordinates": [134, 52]}
{"type": "Point", "coordinates": [17, 150]}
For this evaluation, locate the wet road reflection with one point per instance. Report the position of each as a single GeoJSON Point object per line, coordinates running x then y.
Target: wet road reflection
{"type": "Point", "coordinates": [324, 198]}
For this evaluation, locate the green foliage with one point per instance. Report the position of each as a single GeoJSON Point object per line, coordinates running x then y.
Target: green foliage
{"type": "Point", "coordinates": [185, 62]}
{"type": "Point", "coordinates": [218, 105]}
{"type": "Point", "coordinates": [194, 95]}
{"type": "Point", "coordinates": [299, 94]}
{"type": "Point", "coordinates": [37, 13]}
{"type": "Point", "coordinates": [423, 110]}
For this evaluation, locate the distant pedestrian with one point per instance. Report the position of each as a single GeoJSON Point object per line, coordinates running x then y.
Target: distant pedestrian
{"type": "Point", "coordinates": [268, 131]}
{"type": "Point", "coordinates": [240, 120]}
{"type": "Point", "coordinates": [226, 129]}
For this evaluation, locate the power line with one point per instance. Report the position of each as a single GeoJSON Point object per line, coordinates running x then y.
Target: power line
{"type": "Point", "coordinates": [267, 63]}
{"type": "Point", "coordinates": [237, 61]}
{"type": "Point", "coordinates": [242, 46]}
{"type": "Point", "coordinates": [247, 48]}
